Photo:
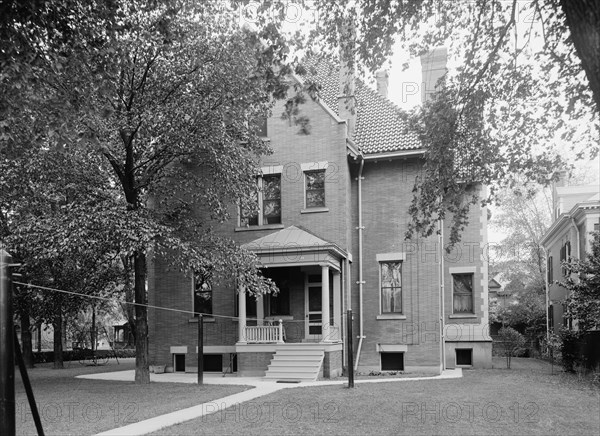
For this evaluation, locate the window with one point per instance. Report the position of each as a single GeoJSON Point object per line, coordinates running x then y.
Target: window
{"type": "Point", "coordinates": [213, 363]}
{"type": "Point", "coordinates": [462, 288]}
{"type": "Point", "coordinates": [267, 201]}
{"type": "Point", "coordinates": [179, 362]}
{"type": "Point", "coordinates": [391, 287]}
{"type": "Point", "coordinates": [279, 304]}
{"type": "Point", "coordinates": [262, 127]}
{"type": "Point", "coordinates": [551, 317]}
{"type": "Point", "coordinates": [202, 294]}
{"type": "Point", "coordinates": [596, 227]}
{"type": "Point", "coordinates": [464, 356]}
{"type": "Point", "coordinates": [392, 361]}
{"type": "Point", "coordinates": [315, 188]}
{"type": "Point", "coordinates": [550, 270]}
{"type": "Point", "coordinates": [565, 253]}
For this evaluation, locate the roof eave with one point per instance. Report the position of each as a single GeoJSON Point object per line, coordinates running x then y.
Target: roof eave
{"type": "Point", "coordinates": [398, 154]}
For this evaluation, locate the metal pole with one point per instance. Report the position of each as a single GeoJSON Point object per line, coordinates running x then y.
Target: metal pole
{"type": "Point", "coordinates": [7, 358]}
{"type": "Point", "coordinates": [350, 365]}
{"type": "Point", "coordinates": [28, 390]}
{"type": "Point", "coordinates": [200, 349]}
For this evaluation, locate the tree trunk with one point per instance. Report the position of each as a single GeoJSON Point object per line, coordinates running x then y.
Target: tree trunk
{"type": "Point", "coordinates": [58, 345]}
{"type": "Point", "coordinates": [26, 338]}
{"type": "Point", "coordinates": [39, 337]}
{"type": "Point", "coordinates": [142, 373]}
{"type": "Point", "coordinates": [583, 20]}
{"type": "Point", "coordinates": [129, 298]}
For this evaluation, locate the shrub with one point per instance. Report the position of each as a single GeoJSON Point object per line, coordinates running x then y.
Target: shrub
{"type": "Point", "coordinates": [513, 343]}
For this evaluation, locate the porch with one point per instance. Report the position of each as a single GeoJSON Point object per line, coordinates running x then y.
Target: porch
{"type": "Point", "coordinates": [308, 308]}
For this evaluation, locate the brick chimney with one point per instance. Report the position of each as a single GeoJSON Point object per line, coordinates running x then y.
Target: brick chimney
{"type": "Point", "coordinates": [433, 67]}
{"type": "Point", "coordinates": [382, 77]}
{"type": "Point", "coordinates": [346, 96]}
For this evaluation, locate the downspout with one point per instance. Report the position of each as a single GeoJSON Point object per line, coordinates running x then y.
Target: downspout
{"type": "Point", "coordinates": [360, 229]}
{"type": "Point", "coordinates": [442, 295]}
{"type": "Point", "coordinates": [547, 295]}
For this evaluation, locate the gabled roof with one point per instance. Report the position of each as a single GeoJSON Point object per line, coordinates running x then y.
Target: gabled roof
{"type": "Point", "coordinates": [494, 284]}
{"type": "Point", "coordinates": [380, 124]}
{"type": "Point", "coordinates": [291, 238]}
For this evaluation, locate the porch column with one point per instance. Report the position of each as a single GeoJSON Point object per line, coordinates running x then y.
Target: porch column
{"type": "Point", "coordinates": [325, 318]}
{"type": "Point", "coordinates": [242, 314]}
{"type": "Point", "coordinates": [260, 310]}
{"type": "Point", "coordinates": [337, 306]}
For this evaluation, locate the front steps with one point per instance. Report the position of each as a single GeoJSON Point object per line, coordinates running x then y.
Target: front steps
{"type": "Point", "coordinates": [295, 364]}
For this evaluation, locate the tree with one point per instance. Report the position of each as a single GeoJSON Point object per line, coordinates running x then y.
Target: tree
{"type": "Point", "coordinates": [583, 286]}
{"type": "Point", "coordinates": [45, 191]}
{"type": "Point", "coordinates": [169, 95]}
{"type": "Point", "coordinates": [526, 77]}
{"type": "Point", "coordinates": [513, 343]}
{"type": "Point", "coordinates": [525, 217]}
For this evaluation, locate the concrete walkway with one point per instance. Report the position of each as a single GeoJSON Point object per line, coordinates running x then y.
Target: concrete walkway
{"type": "Point", "coordinates": [261, 388]}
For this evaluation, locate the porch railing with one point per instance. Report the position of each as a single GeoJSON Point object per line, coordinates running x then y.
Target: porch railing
{"type": "Point", "coordinates": [264, 334]}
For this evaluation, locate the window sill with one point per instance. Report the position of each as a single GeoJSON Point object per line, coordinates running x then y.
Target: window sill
{"type": "Point", "coordinates": [280, 317]}
{"type": "Point", "coordinates": [391, 316]}
{"type": "Point", "coordinates": [465, 315]}
{"type": "Point", "coordinates": [206, 319]}
{"type": "Point", "coordinates": [315, 210]}
{"type": "Point", "coordinates": [263, 227]}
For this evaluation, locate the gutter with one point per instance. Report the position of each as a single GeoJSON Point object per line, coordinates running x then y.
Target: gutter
{"type": "Point", "coordinates": [360, 282]}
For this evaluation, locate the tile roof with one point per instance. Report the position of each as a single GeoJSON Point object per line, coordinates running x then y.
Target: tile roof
{"type": "Point", "coordinates": [380, 124]}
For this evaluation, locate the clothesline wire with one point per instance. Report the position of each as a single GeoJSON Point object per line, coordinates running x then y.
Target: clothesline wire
{"type": "Point", "coordinates": [148, 306]}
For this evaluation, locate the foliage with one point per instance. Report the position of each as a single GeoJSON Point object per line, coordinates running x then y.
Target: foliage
{"type": "Point", "coordinates": [583, 285]}
{"type": "Point", "coordinates": [570, 356]}
{"type": "Point", "coordinates": [513, 342]}
{"type": "Point", "coordinates": [165, 98]}
{"type": "Point", "coordinates": [527, 315]}
{"type": "Point", "coordinates": [517, 92]}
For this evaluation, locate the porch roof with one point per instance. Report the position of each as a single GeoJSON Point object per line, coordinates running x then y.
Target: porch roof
{"type": "Point", "coordinates": [294, 245]}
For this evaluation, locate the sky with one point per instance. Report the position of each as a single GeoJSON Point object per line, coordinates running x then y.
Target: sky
{"type": "Point", "coordinates": [401, 91]}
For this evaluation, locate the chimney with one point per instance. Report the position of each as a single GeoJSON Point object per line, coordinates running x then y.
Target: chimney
{"type": "Point", "coordinates": [382, 77]}
{"type": "Point", "coordinates": [562, 180]}
{"type": "Point", "coordinates": [346, 97]}
{"type": "Point", "coordinates": [433, 67]}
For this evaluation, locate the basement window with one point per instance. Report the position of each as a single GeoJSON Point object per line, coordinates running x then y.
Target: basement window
{"type": "Point", "coordinates": [464, 357]}
{"type": "Point", "coordinates": [179, 362]}
{"type": "Point", "coordinates": [392, 361]}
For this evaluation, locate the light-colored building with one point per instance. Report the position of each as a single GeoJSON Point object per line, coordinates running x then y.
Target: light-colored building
{"type": "Point", "coordinates": [576, 215]}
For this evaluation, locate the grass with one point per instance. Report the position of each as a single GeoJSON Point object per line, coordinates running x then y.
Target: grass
{"type": "Point", "coordinates": [72, 406]}
{"type": "Point", "coordinates": [526, 399]}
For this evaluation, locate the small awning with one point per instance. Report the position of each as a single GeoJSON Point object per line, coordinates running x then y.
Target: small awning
{"type": "Point", "coordinates": [293, 246]}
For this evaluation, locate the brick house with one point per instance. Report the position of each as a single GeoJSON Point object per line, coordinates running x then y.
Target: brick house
{"type": "Point", "coordinates": [576, 214]}
{"type": "Point", "coordinates": [330, 233]}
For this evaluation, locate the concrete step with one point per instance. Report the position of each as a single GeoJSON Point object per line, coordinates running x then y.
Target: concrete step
{"type": "Point", "coordinates": [299, 352]}
{"type": "Point", "coordinates": [296, 364]}
{"type": "Point", "coordinates": [298, 358]}
{"type": "Point", "coordinates": [283, 366]}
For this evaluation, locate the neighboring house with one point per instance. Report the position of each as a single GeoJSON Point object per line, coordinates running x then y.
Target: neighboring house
{"type": "Point", "coordinates": [330, 233]}
{"type": "Point", "coordinates": [576, 215]}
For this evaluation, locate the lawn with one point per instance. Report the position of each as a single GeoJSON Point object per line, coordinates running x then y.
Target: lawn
{"type": "Point", "coordinates": [527, 399]}
{"type": "Point", "coordinates": [72, 406]}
